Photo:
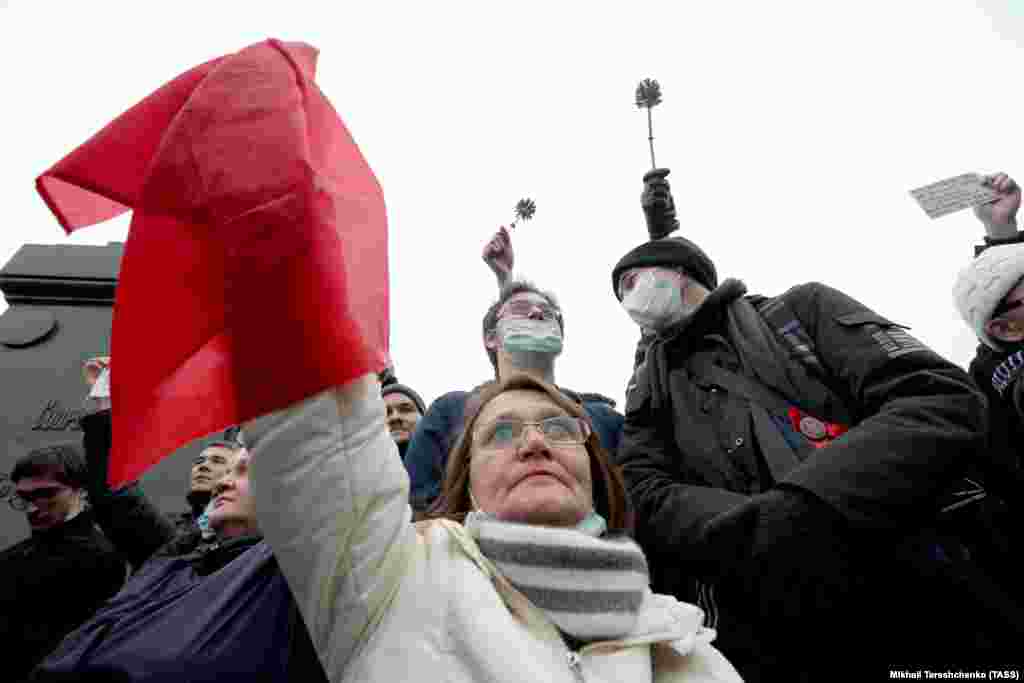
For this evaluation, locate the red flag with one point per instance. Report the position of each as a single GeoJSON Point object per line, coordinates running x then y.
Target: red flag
{"type": "Point", "coordinates": [255, 270]}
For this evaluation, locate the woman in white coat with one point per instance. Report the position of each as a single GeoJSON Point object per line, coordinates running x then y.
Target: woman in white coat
{"type": "Point", "coordinates": [517, 581]}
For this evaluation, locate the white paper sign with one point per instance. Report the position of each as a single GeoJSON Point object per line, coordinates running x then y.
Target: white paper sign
{"type": "Point", "coordinates": [953, 194]}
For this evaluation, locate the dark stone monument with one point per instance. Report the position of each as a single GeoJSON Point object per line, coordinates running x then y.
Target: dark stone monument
{"type": "Point", "coordinates": [61, 301]}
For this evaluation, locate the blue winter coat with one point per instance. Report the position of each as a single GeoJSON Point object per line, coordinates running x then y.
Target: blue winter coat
{"type": "Point", "coordinates": [224, 613]}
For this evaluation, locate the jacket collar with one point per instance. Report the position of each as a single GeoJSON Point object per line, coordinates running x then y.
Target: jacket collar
{"type": "Point", "coordinates": [709, 316]}
{"type": "Point", "coordinates": [79, 525]}
{"type": "Point", "coordinates": [211, 557]}
{"type": "Point", "coordinates": [197, 502]}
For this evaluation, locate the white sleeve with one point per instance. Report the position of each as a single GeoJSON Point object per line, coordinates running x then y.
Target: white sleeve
{"type": "Point", "coordinates": [331, 498]}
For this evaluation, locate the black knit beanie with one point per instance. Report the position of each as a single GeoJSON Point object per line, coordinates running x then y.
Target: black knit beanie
{"type": "Point", "coordinates": [670, 252]}
{"type": "Point", "coordinates": [397, 388]}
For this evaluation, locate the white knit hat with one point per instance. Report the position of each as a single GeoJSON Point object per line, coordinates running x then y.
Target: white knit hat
{"type": "Point", "coordinates": [984, 283]}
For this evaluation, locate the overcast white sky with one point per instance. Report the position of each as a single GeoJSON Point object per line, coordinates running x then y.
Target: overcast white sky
{"type": "Point", "coordinates": [794, 131]}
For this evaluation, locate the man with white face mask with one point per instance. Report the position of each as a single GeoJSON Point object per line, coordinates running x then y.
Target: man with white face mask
{"type": "Point", "coordinates": [653, 297]}
{"type": "Point", "coordinates": [783, 455]}
{"type": "Point", "coordinates": [522, 332]}
{"type": "Point", "coordinates": [659, 284]}
{"type": "Point", "coordinates": [663, 281]}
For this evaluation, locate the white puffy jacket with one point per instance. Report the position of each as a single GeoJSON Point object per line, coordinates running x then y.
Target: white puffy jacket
{"type": "Point", "coordinates": [386, 600]}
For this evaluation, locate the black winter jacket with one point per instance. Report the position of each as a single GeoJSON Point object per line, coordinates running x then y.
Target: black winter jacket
{"type": "Point", "coordinates": [134, 525]}
{"type": "Point", "coordinates": [998, 374]}
{"type": "Point", "coordinates": [49, 584]}
{"type": "Point", "coordinates": [689, 453]}
{"type": "Point", "coordinates": [697, 459]}
{"type": "Point", "coordinates": [999, 546]}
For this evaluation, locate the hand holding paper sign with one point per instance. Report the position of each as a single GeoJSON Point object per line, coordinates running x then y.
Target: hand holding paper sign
{"type": "Point", "coordinates": [953, 194]}
{"type": "Point", "coordinates": [1000, 216]}
{"type": "Point", "coordinates": [257, 224]}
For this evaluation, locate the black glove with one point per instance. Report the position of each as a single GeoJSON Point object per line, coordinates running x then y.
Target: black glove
{"type": "Point", "coordinates": [658, 205]}
{"type": "Point", "coordinates": [783, 548]}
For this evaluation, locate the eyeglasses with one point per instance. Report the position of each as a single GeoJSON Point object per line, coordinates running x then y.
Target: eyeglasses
{"type": "Point", "coordinates": [522, 308]}
{"type": "Point", "coordinates": [558, 431]}
{"type": "Point", "coordinates": [628, 279]}
{"type": "Point", "coordinates": [21, 500]}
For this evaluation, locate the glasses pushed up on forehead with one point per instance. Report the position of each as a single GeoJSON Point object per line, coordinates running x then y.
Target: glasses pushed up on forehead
{"type": "Point", "coordinates": [523, 308]}
{"type": "Point", "coordinates": [562, 430]}
{"type": "Point", "coordinates": [21, 500]}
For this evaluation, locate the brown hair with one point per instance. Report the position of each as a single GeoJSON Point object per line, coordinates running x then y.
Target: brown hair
{"type": "Point", "coordinates": [63, 461]}
{"type": "Point", "coordinates": [509, 290]}
{"type": "Point", "coordinates": [609, 490]}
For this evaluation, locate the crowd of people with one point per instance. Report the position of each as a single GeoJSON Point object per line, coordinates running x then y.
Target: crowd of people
{"type": "Point", "coordinates": [796, 489]}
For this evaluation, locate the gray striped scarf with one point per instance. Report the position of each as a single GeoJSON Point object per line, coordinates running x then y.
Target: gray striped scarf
{"type": "Point", "coordinates": [591, 587]}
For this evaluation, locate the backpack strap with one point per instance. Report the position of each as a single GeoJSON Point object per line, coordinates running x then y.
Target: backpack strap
{"type": "Point", "coordinates": [964, 495]}
{"type": "Point", "coordinates": [784, 322]}
{"type": "Point", "coordinates": [823, 393]}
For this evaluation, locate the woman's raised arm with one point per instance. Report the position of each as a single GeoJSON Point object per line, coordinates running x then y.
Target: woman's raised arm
{"type": "Point", "coordinates": [332, 500]}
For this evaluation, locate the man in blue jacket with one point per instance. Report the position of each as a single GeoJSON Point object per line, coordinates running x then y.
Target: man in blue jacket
{"type": "Point", "coordinates": [523, 332]}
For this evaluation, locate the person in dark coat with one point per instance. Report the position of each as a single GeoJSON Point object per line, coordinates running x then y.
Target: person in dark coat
{"type": "Point", "coordinates": [988, 293]}
{"type": "Point", "coordinates": [131, 521]}
{"type": "Point", "coordinates": [57, 578]}
{"type": "Point", "coordinates": [127, 516]}
{"type": "Point", "coordinates": [989, 296]}
{"type": "Point", "coordinates": [212, 463]}
{"type": "Point", "coordinates": [518, 300]}
{"type": "Point", "coordinates": [786, 457]}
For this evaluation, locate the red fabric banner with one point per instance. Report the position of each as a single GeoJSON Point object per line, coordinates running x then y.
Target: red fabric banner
{"type": "Point", "coordinates": [255, 270]}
